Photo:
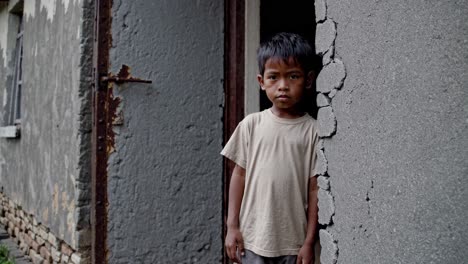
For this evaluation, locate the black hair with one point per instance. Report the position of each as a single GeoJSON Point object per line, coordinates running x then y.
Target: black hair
{"type": "Point", "coordinates": [284, 46]}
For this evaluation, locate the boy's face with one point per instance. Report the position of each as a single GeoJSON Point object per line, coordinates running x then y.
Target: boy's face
{"type": "Point", "coordinates": [284, 84]}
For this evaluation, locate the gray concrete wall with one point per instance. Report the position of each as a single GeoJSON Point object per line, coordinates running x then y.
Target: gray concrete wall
{"type": "Point", "coordinates": [396, 133]}
{"type": "Point", "coordinates": [46, 170]}
{"type": "Point", "coordinates": [165, 175]}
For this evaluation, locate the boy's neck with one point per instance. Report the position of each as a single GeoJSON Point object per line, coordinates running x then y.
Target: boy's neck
{"type": "Point", "coordinates": [288, 114]}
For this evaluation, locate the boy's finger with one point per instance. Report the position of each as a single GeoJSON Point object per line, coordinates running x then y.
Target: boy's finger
{"type": "Point", "coordinates": [240, 245]}
{"type": "Point", "coordinates": [299, 259]}
{"type": "Point", "coordinates": [230, 252]}
{"type": "Point", "coordinates": [233, 254]}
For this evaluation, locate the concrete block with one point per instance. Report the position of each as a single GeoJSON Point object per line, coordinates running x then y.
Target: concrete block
{"type": "Point", "coordinates": [331, 77]}
{"type": "Point", "coordinates": [322, 100]}
{"type": "Point", "coordinates": [21, 235]}
{"type": "Point", "coordinates": [323, 183]}
{"type": "Point", "coordinates": [326, 207]}
{"type": "Point", "coordinates": [320, 10]}
{"type": "Point", "coordinates": [43, 231]}
{"type": "Point", "coordinates": [45, 254]}
{"type": "Point", "coordinates": [325, 36]}
{"type": "Point", "coordinates": [32, 234]}
{"type": "Point", "coordinates": [76, 258]}
{"type": "Point", "coordinates": [40, 240]}
{"type": "Point", "coordinates": [17, 222]}
{"type": "Point", "coordinates": [327, 121]}
{"type": "Point", "coordinates": [321, 166]}
{"type": "Point", "coordinates": [64, 259]}
{"type": "Point", "coordinates": [329, 254]}
{"type": "Point", "coordinates": [11, 225]}
{"type": "Point", "coordinates": [35, 257]}
{"type": "Point", "coordinates": [10, 217]}
{"type": "Point", "coordinates": [35, 246]}
{"type": "Point", "coordinates": [35, 230]}
{"type": "Point", "coordinates": [24, 248]}
{"type": "Point", "coordinates": [27, 239]}
{"type": "Point", "coordinates": [56, 255]}
{"type": "Point", "coordinates": [48, 245]}
{"type": "Point", "coordinates": [52, 240]}
{"type": "Point", "coordinates": [66, 249]}
{"type": "Point", "coordinates": [22, 225]}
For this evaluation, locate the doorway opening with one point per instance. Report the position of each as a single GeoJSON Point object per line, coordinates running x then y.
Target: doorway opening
{"type": "Point", "coordinates": [247, 24]}
{"type": "Point", "coordinates": [297, 16]}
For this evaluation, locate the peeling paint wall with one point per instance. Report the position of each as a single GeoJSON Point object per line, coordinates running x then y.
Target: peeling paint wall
{"type": "Point", "coordinates": [165, 174]}
{"type": "Point", "coordinates": [4, 37]}
{"type": "Point", "coordinates": [394, 119]}
{"type": "Point", "coordinates": [46, 170]}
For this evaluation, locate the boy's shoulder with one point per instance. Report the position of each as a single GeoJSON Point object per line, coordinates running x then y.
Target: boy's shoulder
{"type": "Point", "coordinates": [257, 118]}
{"type": "Point", "coordinates": [252, 118]}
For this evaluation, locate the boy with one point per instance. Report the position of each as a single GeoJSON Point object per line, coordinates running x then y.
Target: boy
{"type": "Point", "coordinates": [272, 214]}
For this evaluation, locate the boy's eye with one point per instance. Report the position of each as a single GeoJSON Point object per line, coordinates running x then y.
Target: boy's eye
{"type": "Point", "coordinates": [294, 76]}
{"type": "Point", "coordinates": [271, 77]}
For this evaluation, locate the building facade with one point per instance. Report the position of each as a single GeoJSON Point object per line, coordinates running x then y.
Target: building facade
{"type": "Point", "coordinates": [114, 113]}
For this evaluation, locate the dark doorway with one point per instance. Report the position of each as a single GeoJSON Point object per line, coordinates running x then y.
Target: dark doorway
{"type": "Point", "coordinates": [296, 16]}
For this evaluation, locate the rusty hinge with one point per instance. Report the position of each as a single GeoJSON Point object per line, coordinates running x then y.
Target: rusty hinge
{"type": "Point", "coordinates": [122, 77]}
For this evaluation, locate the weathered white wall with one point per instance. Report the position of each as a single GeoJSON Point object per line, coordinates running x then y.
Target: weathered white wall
{"type": "Point", "coordinates": [46, 170]}
{"type": "Point", "coordinates": [396, 131]}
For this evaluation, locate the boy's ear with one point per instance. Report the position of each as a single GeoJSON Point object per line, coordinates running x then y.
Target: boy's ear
{"type": "Point", "coordinates": [310, 79]}
{"type": "Point", "coordinates": [260, 80]}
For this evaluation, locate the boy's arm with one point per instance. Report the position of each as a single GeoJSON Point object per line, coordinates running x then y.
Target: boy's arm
{"type": "Point", "coordinates": [234, 240]}
{"type": "Point", "coordinates": [306, 253]}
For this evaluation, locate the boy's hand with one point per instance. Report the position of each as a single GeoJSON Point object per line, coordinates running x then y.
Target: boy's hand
{"type": "Point", "coordinates": [234, 242]}
{"type": "Point", "coordinates": [306, 255]}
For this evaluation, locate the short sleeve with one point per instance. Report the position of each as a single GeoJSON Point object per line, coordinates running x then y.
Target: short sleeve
{"type": "Point", "coordinates": [237, 146]}
{"type": "Point", "coordinates": [313, 160]}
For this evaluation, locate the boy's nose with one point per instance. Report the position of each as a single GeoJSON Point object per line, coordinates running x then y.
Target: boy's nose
{"type": "Point", "coordinates": [283, 85]}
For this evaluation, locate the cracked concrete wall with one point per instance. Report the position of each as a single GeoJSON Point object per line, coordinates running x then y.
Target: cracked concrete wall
{"type": "Point", "coordinates": [394, 118]}
{"type": "Point", "coordinates": [165, 174]}
{"type": "Point", "coordinates": [47, 170]}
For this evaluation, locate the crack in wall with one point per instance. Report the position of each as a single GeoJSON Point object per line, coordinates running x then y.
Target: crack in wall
{"type": "Point", "coordinates": [329, 81]}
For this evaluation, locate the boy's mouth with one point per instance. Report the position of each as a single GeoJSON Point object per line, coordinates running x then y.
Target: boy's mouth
{"type": "Point", "coordinates": [282, 96]}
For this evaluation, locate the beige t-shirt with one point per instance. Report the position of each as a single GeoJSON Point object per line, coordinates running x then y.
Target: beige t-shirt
{"type": "Point", "coordinates": [279, 157]}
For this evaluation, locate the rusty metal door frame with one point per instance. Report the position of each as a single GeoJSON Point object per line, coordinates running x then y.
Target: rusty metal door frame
{"type": "Point", "coordinates": [104, 111]}
{"type": "Point", "coordinates": [102, 130]}
{"type": "Point", "coordinates": [234, 41]}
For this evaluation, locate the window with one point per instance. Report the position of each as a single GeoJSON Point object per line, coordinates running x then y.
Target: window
{"type": "Point", "coordinates": [14, 113]}
{"type": "Point", "coordinates": [12, 110]}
